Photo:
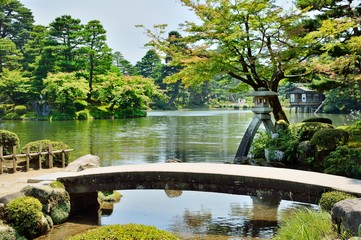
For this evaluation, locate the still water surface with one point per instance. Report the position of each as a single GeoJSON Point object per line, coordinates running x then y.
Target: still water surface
{"type": "Point", "coordinates": [192, 136]}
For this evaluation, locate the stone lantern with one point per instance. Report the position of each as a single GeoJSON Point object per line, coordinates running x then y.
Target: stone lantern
{"type": "Point", "coordinates": [261, 110]}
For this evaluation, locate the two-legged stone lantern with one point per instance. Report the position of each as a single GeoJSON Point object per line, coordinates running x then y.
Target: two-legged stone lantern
{"type": "Point", "coordinates": [261, 110]}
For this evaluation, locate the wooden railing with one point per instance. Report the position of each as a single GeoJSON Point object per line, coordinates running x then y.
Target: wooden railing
{"type": "Point", "coordinates": [16, 157]}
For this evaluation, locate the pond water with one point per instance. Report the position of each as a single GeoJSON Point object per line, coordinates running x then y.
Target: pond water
{"type": "Point", "coordinates": [192, 136]}
{"type": "Point", "coordinates": [200, 215]}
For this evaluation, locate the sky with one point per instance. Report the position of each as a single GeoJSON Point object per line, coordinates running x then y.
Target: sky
{"type": "Point", "coordinates": [118, 17]}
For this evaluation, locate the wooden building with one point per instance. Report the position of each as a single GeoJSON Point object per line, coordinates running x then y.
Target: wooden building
{"type": "Point", "coordinates": [303, 99]}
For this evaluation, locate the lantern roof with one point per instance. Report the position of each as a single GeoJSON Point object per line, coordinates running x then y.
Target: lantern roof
{"type": "Point", "coordinates": [262, 92]}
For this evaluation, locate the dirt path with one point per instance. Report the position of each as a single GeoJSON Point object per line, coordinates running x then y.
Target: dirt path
{"type": "Point", "coordinates": [14, 182]}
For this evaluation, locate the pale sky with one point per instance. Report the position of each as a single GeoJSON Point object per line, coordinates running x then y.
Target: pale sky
{"type": "Point", "coordinates": [118, 17]}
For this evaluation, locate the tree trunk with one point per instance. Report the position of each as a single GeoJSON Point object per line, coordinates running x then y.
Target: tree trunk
{"type": "Point", "coordinates": [278, 112]}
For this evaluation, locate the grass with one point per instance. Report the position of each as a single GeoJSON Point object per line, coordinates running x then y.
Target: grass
{"type": "Point", "coordinates": [306, 224]}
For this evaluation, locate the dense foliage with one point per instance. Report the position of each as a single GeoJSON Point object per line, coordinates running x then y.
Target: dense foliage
{"type": "Point", "coordinates": [329, 199]}
{"type": "Point", "coordinates": [128, 231]}
{"type": "Point", "coordinates": [306, 224]}
{"type": "Point", "coordinates": [236, 45]}
{"type": "Point", "coordinates": [25, 215]}
{"type": "Point", "coordinates": [8, 140]}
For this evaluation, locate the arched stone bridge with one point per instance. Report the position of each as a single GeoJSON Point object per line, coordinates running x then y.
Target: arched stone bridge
{"type": "Point", "coordinates": [259, 181]}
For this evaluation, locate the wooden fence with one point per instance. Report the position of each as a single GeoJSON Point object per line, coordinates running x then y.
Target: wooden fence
{"type": "Point", "coordinates": [16, 157]}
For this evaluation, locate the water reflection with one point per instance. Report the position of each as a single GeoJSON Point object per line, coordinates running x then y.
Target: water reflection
{"type": "Point", "coordinates": [200, 214]}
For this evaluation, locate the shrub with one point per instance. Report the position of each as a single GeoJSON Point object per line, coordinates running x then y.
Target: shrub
{"type": "Point", "coordinates": [8, 140]}
{"type": "Point", "coordinates": [128, 231]}
{"type": "Point", "coordinates": [344, 161]}
{"type": "Point", "coordinates": [329, 199]}
{"type": "Point", "coordinates": [24, 214]}
{"type": "Point", "coordinates": [329, 139]}
{"type": "Point", "coordinates": [319, 120]}
{"type": "Point", "coordinates": [82, 115]}
{"type": "Point", "coordinates": [306, 224]}
{"type": "Point", "coordinates": [20, 110]}
{"type": "Point", "coordinates": [2, 110]}
{"type": "Point", "coordinates": [100, 113]}
{"type": "Point", "coordinates": [57, 145]}
{"type": "Point", "coordinates": [309, 128]}
{"type": "Point", "coordinates": [57, 184]}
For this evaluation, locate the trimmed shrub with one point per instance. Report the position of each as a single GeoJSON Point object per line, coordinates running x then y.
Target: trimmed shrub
{"type": "Point", "coordinates": [306, 224]}
{"type": "Point", "coordinates": [329, 199]}
{"type": "Point", "coordinates": [20, 110]}
{"type": "Point", "coordinates": [308, 129]}
{"type": "Point", "coordinates": [8, 140]}
{"type": "Point", "coordinates": [319, 120]}
{"type": "Point", "coordinates": [128, 231]}
{"type": "Point", "coordinates": [344, 161]}
{"type": "Point", "coordinates": [329, 139]}
{"type": "Point", "coordinates": [57, 145]}
{"type": "Point", "coordinates": [24, 214]}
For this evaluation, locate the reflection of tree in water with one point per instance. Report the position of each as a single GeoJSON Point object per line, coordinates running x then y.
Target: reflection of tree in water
{"type": "Point", "coordinates": [193, 222]}
{"type": "Point", "coordinates": [258, 219]}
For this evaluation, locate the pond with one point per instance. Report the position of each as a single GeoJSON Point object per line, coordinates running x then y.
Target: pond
{"type": "Point", "coordinates": [192, 136]}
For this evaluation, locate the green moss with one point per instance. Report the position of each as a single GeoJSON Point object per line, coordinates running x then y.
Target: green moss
{"type": "Point", "coordinates": [57, 184]}
{"type": "Point", "coordinates": [128, 231]}
{"type": "Point", "coordinates": [24, 214]}
{"type": "Point", "coordinates": [113, 196]}
{"type": "Point", "coordinates": [329, 199]}
{"type": "Point", "coordinates": [60, 212]}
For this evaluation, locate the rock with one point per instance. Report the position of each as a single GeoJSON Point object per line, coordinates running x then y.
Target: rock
{"type": "Point", "coordinates": [7, 232]}
{"type": "Point", "coordinates": [42, 193]}
{"type": "Point", "coordinates": [347, 213]}
{"type": "Point", "coordinates": [7, 198]}
{"type": "Point", "coordinates": [84, 162]}
{"type": "Point", "coordinates": [55, 201]}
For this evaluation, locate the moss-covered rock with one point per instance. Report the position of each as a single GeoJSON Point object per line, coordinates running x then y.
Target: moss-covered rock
{"type": "Point", "coordinates": [128, 231]}
{"type": "Point", "coordinates": [7, 232]}
{"type": "Point", "coordinates": [329, 199]}
{"type": "Point", "coordinates": [55, 201]}
{"type": "Point", "coordinates": [308, 129]}
{"type": "Point", "coordinates": [24, 214]}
